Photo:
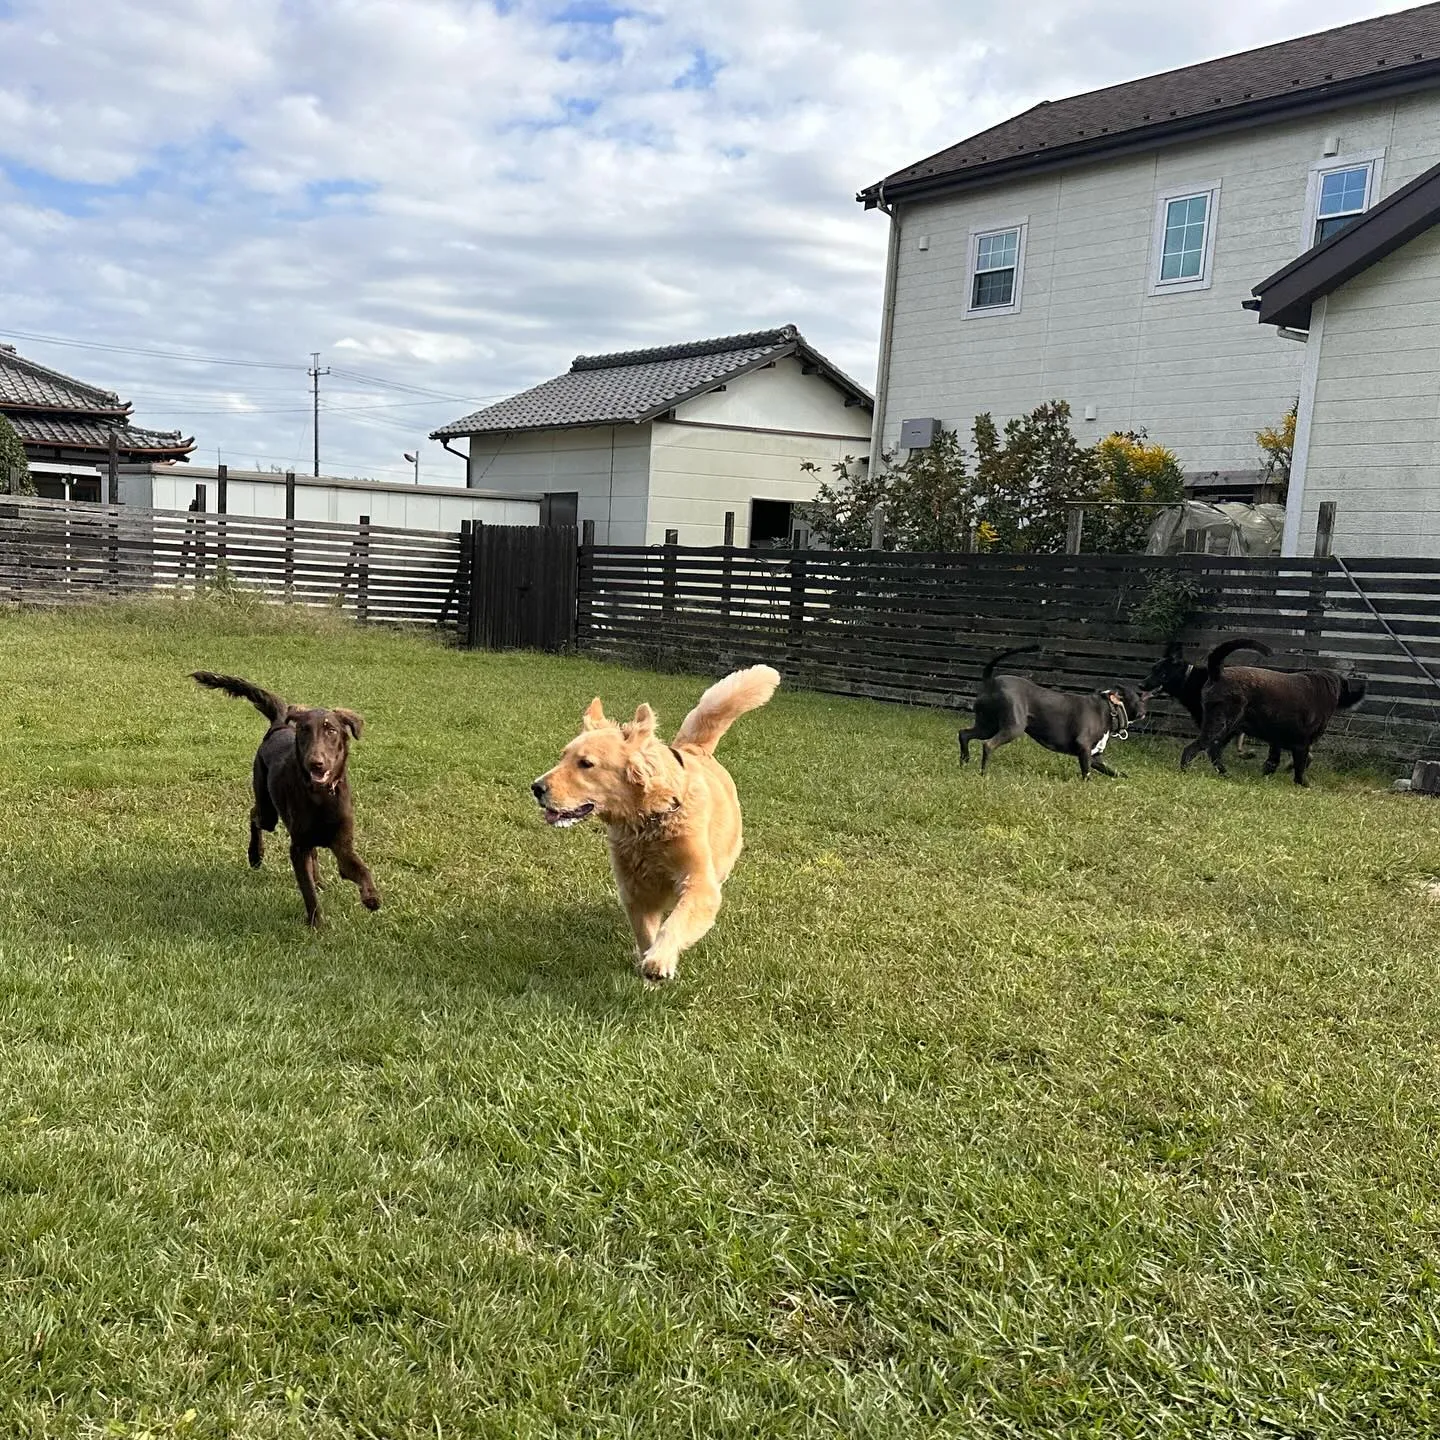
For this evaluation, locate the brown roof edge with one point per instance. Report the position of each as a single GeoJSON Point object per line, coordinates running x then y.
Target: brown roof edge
{"type": "Point", "coordinates": [1378, 85]}
{"type": "Point", "coordinates": [1286, 296]}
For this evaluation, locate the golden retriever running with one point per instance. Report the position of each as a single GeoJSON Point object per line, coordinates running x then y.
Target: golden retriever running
{"type": "Point", "coordinates": [671, 811]}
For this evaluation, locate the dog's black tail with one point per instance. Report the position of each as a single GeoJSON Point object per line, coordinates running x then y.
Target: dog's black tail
{"type": "Point", "coordinates": [994, 660]}
{"type": "Point", "coordinates": [1215, 661]}
{"type": "Point", "coordinates": [272, 707]}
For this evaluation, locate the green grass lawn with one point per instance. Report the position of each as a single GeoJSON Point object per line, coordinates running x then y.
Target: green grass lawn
{"type": "Point", "coordinates": [1015, 1107]}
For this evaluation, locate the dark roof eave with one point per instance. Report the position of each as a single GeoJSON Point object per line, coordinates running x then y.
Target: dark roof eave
{"type": "Point", "coordinates": [1286, 297]}
{"type": "Point", "coordinates": [1149, 137]}
{"type": "Point", "coordinates": [449, 432]}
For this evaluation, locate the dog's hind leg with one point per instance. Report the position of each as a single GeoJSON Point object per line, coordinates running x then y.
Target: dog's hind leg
{"type": "Point", "coordinates": [263, 815]}
{"type": "Point", "coordinates": [301, 857]}
{"type": "Point", "coordinates": [1302, 763]}
{"type": "Point", "coordinates": [1272, 761]}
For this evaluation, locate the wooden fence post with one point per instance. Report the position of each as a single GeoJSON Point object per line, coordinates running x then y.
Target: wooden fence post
{"type": "Point", "coordinates": [473, 611]}
{"type": "Point", "coordinates": [289, 536]}
{"type": "Point", "coordinates": [587, 533]}
{"type": "Point", "coordinates": [1325, 531]}
{"type": "Point", "coordinates": [114, 467]}
{"type": "Point", "coordinates": [222, 507]}
{"type": "Point", "coordinates": [727, 568]}
{"type": "Point", "coordinates": [198, 506]}
{"type": "Point", "coordinates": [671, 565]}
{"type": "Point", "coordinates": [795, 637]}
{"type": "Point", "coordinates": [1074, 529]}
{"type": "Point", "coordinates": [877, 528]}
{"type": "Point", "coordinates": [362, 603]}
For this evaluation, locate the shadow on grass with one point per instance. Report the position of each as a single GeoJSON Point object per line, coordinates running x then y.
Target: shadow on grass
{"type": "Point", "coordinates": [575, 953]}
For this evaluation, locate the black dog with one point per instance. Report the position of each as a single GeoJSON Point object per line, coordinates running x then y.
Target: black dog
{"type": "Point", "coordinates": [1080, 725]}
{"type": "Point", "coordinates": [1174, 676]}
{"type": "Point", "coordinates": [300, 777]}
{"type": "Point", "coordinates": [1287, 709]}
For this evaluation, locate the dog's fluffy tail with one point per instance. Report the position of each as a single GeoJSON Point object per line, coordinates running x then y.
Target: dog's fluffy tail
{"type": "Point", "coordinates": [994, 660]}
{"type": "Point", "coordinates": [272, 707]}
{"type": "Point", "coordinates": [724, 703]}
{"type": "Point", "coordinates": [1215, 661]}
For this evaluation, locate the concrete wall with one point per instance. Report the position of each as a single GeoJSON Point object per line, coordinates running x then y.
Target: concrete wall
{"type": "Point", "coordinates": [748, 442]}
{"type": "Point", "coordinates": [608, 465]}
{"type": "Point", "coordinates": [1374, 445]}
{"type": "Point", "coordinates": [406, 507]}
{"type": "Point", "coordinates": [1192, 368]}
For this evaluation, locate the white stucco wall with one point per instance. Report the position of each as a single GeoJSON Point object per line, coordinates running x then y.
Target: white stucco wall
{"type": "Point", "coordinates": [339, 501]}
{"type": "Point", "coordinates": [608, 465]}
{"type": "Point", "coordinates": [1374, 445]}
{"type": "Point", "coordinates": [1193, 369]}
{"type": "Point", "coordinates": [747, 442]}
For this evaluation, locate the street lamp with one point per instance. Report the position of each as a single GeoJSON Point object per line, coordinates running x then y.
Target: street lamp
{"type": "Point", "coordinates": [415, 461]}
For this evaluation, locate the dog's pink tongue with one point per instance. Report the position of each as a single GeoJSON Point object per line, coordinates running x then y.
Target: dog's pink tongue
{"type": "Point", "coordinates": [552, 817]}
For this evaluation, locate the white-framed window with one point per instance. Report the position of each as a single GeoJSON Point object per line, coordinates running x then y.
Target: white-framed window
{"type": "Point", "coordinates": [1183, 247]}
{"type": "Point", "coordinates": [1341, 188]}
{"type": "Point", "coordinates": [996, 269]}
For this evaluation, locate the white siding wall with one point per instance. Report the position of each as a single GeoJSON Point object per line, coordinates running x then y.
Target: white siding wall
{"type": "Point", "coordinates": [748, 442]}
{"type": "Point", "coordinates": [1193, 369]}
{"type": "Point", "coordinates": [608, 465]}
{"type": "Point", "coordinates": [406, 508]}
{"type": "Point", "coordinates": [1375, 436]}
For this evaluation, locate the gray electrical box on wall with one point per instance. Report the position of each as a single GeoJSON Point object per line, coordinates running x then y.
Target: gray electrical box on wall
{"type": "Point", "coordinates": [918, 434]}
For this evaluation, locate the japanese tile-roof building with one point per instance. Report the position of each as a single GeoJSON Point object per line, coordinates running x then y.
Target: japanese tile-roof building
{"type": "Point", "coordinates": [65, 426]}
{"type": "Point", "coordinates": [705, 440]}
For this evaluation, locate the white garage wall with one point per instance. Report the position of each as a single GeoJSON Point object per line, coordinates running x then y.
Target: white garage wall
{"type": "Point", "coordinates": [607, 465]}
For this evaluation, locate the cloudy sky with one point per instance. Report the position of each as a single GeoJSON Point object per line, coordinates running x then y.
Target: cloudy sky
{"type": "Point", "coordinates": [451, 198]}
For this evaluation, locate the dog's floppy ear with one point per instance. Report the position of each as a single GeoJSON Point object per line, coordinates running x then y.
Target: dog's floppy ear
{"type": "Point", "coordinates": [350, 720]}
{"type": "Point", "coordinates": [594, 717]}
{"type": "Point", "coordinates": [1115, 697]}
{"type": "Point", "coordinates": [642, 727]}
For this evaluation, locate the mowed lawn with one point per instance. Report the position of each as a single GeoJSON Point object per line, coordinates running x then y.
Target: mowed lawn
{"type": "Point", "coordinates": [1014, 1107]}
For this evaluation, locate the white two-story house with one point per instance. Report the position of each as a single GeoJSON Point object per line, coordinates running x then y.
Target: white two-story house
{"type": "Point", "coordinates": [1111, 250]}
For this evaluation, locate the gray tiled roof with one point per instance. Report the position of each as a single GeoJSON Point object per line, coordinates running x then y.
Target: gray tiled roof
{"type": "Point", "coordinates": [1385, 52]}
{"type": "Point", "coordinates": [633, 386]}
{"type": "Point", "coordinates": [23, 382]}
{"type": "Point", "coordinates": [50, 409]}
{"type": "Point", "coordinates": [84, 434]}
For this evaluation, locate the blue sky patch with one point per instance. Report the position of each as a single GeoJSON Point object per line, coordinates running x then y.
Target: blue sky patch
{"type": "Point", "coordinates": [704, 67]}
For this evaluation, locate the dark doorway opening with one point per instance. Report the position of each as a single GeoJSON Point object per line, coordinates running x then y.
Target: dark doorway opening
{"type": "Point", "coordinates": [771, 522]}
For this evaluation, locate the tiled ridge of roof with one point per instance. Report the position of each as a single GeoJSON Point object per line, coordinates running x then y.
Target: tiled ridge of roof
{"type": "Point", "coordinates": [1385, 50]}
{"type": "Point", "coordinates": [24, 382]}
{"type": "Point", "coordinates": [755, 340]}
{"type": "Point", "coordinates": [90, 433]}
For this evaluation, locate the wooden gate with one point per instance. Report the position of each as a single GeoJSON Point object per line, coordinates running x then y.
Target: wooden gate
{"type": "Point", "coordinates": [522, 581]}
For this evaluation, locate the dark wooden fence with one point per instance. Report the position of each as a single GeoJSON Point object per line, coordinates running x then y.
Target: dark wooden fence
{"type": "Point", "coordinates": [918, 628]}
{"type": "Point", "coordinates": [54, 552]}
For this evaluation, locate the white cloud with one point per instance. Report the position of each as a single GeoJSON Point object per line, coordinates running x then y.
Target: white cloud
{"type": "Point", "coordinates": [461, 196]}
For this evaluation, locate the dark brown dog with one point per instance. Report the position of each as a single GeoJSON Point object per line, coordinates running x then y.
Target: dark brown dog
{"type": "Point", "coordinates": [1287, 709]}
{"type": "Point", "coordinates": [300, 778]}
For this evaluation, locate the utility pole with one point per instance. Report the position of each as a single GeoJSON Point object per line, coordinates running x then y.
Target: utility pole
{"type": "Point", "coordinates": [315, 372]}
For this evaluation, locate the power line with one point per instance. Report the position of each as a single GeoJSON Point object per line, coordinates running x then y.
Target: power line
{"type": "Point", "coordinates": [153, 354]}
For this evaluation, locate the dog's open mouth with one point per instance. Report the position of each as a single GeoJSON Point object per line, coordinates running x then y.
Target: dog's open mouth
{"type": "Point", "coordinates": [562, 819]}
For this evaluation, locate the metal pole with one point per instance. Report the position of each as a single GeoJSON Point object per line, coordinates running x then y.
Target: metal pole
{"type": "Point", "coordinates": [315, 372]}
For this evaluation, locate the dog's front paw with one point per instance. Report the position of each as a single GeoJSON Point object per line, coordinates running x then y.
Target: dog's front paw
{"type": "Point", "coordinates": [657, 965]}
{"type": "Point", "coordinates": [371, 901]}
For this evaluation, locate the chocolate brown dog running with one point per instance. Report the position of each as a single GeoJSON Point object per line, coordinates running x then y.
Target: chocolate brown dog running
{"type": "Point", "coordinates": [299, 777]}
{"type": "Point", "coordinates": [1287, 709]}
